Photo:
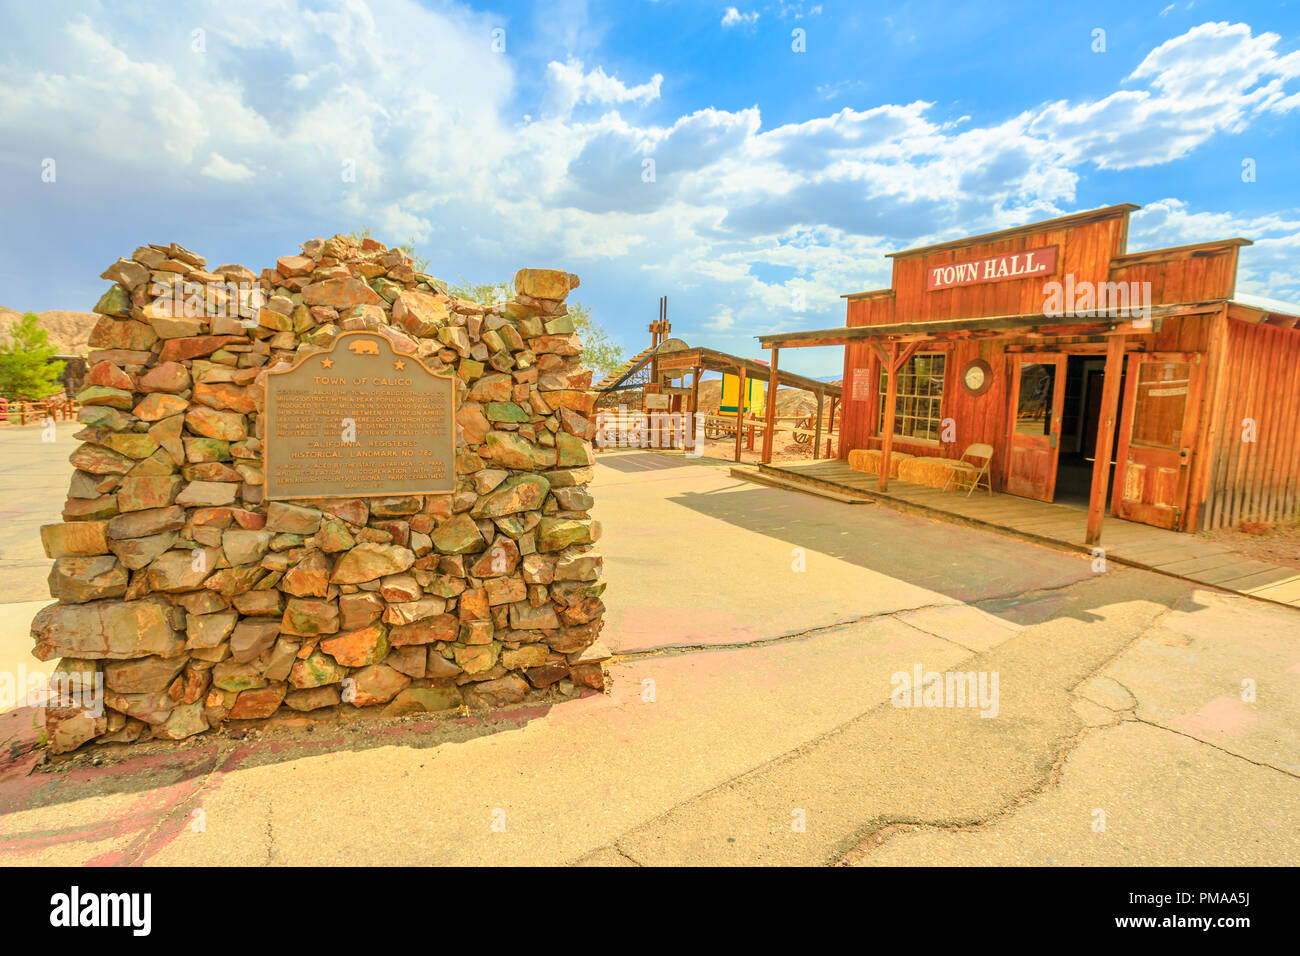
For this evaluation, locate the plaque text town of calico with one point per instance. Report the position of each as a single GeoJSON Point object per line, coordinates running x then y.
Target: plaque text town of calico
{"type": "Point", "coordinates": [359, 420]}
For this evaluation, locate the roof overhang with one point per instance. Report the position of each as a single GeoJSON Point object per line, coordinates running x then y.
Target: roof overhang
{"type": "Point", "coordinates": [998, 326]}
{"type": "Point", "coordinates": [1255, 315]}
{"type": "Point", "coordinates": [725, 362]}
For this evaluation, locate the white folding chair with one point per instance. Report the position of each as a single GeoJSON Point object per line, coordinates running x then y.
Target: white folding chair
{"type": "Point", "coordinates": [964, 472]}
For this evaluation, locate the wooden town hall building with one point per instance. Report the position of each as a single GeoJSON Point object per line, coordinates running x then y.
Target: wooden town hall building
{"type": "Point", "coordinates": [1136, 384]}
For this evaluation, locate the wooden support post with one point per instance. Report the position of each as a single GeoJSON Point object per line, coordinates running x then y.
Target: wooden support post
{"type": "Point", "coordinates": [769, 430]}
{"type": "Point", "coordinates": [1108, 415]}
{"type": "Point", "coordinates": [890, 367]}
{"type": "Point", "coordinates": [817, 432]}
{"type": "Point", "coordinates": [740, 409]}
{"type": "Point", "coordinates": [690, 428]}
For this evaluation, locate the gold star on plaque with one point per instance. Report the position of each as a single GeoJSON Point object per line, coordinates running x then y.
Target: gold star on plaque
{"type": "Point", "coordinates": [326, 363]}
{"type": "Point", "coordinates": [399, 365]}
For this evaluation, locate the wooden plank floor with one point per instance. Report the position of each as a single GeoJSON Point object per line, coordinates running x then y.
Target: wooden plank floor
{"type": "Point", "coordinates": [1170, 552]}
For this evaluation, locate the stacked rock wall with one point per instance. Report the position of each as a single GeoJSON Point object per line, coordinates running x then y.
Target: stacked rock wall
{"type": "Point", "coordinates": [193, 601]}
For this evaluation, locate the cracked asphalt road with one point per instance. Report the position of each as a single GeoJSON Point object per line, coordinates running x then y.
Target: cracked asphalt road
{"type": "Point", "coordinates": [1139, 720]}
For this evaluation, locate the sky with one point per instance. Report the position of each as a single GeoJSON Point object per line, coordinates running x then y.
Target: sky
{"type": "Point", "coordinates": [753, 162]}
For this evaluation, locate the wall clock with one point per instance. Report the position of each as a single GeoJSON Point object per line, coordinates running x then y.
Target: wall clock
{"type": "Point", "coordinates": [977, 377]}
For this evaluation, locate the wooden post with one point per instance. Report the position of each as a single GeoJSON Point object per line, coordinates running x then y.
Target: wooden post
{"type": "Point", "coordinates": [817, 432]}
{"type": "Point", "coordinates": [890, 368]}
{"type": "Point", "coordinates": [770, 427]}
{"type": "Point", "coordinates": [695, 407]}
{"type": "Point", "coordinates": [1105, 437]}
{"type": "Point", "coordinates": [740, 408]}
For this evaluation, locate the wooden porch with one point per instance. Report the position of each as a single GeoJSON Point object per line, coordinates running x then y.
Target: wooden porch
{"type": "Point", "coordinates": [1061, 525]}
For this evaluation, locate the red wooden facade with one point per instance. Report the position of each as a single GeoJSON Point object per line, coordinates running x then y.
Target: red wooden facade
{"type": "Point", "coordinates": [1203, 423]}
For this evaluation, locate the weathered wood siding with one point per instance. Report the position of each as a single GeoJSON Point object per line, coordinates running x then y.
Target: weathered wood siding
{"type": "Point", "coordinates": [1259, 479]}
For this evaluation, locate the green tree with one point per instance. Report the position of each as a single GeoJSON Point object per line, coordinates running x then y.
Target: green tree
{"type": "Point", "coordinates": [600, 352]}
{"type": "Point", "coordinates": [26, 371]}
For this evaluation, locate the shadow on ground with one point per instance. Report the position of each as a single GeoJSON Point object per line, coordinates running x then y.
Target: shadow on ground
{"type": "Point", "coordinates": [1013, 579]}
{"type": "Point", "coordinates": [172, 775]}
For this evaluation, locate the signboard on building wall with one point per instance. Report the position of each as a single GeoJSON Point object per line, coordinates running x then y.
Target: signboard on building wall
{"type": "Point", "coordinates": [861, 391]}
{"type": "Point", "coordinates": [1011, 265]}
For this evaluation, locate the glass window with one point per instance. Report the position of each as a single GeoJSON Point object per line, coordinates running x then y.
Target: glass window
{"type": "Point", "coordinates": [1035, 403]}
{"type": "Point", "coordinates": [920, 397]}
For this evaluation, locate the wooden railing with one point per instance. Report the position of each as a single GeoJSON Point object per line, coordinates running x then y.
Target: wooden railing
{"type": "Point", "coordinates": [19, 412]}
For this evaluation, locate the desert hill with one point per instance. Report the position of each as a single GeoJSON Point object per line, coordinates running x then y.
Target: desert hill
{"type": "Point", "coordinates": [69, 331]}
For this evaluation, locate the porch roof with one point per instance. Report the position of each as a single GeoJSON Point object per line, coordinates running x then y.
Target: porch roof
{"type": "Point", "coordinates": [997, 326]}
{"type": "Point", "coordinates": [716, 361]}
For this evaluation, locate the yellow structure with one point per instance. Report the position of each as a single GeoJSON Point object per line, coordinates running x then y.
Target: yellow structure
{"type": "Point", "coordinates": [754, 401]}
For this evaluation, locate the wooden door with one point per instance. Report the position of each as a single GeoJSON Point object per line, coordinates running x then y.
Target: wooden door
{"type": "Point", "coordinates": [1162, 401]}
{"type": "Point", "coordinates": [1037, 399]}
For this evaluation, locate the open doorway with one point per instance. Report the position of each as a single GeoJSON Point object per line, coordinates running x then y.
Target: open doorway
{"type": "Point", "coordinates": [1085, 376]}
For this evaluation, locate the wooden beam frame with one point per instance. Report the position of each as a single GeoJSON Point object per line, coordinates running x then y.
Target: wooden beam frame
{"type": "Point", "coordinates": [769, 429]}
{"type": "Point", "coordinates": [740, 405]}
{"type": "Point", "coordinates": [1109, 419]}
{"type": "Point", "coordinates": [992, 327]}
{"type": "Point", "coordinates": [817, 431]}
{"type": "Point", "coordinates": [892, 363]}
{"type": "Point", "coordinates": [715, 361]}
{"type": "Point", "coordinates": [695, 407]}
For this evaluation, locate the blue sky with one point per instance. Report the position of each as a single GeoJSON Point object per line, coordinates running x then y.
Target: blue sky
{"type": "Point", "coordinates": [780, 176]}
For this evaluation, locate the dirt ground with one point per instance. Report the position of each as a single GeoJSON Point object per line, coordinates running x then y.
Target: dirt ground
{"type": "Point", "coordinates": [784, 449]}
{"type": "Point", "coordinates": [1278, 545]}
{"type": "Point", "coordinates": [737, 700]}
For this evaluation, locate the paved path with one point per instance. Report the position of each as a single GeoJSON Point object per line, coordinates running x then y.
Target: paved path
{"type": "Point", "coordinates": [34, 477]}
{"type": "Point", "coordinates": [749, 719]}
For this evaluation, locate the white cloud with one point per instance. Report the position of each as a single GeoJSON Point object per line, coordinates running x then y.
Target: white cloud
{"type": "Point", "coordinates": [219, 167]}
{"type": "Point", "coordinates": [1266, 268]}
{"type": "Point", "coordinates": [737, 215]}
{"type": "Point", "coordinates": [571, 86]}
{"type": "Point", "coordinates": [1212, 79]}
{"type": "Point", "coordinates": [734, 17]}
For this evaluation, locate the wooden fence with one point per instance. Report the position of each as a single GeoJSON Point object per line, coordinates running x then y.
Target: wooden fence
{"type": "Point", "coordinates": [18, 412]}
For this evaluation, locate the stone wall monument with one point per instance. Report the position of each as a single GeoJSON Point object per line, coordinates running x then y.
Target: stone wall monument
{"type": "Point", "coordinates": [330, 485]}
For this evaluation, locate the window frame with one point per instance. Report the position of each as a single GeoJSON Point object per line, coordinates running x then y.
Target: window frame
{"type": "Point", "coordinates": [882, 384]}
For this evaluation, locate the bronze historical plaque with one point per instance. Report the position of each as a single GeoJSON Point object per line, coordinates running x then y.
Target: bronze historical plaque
{"type": "Point", "coordinates": [359, 420]}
